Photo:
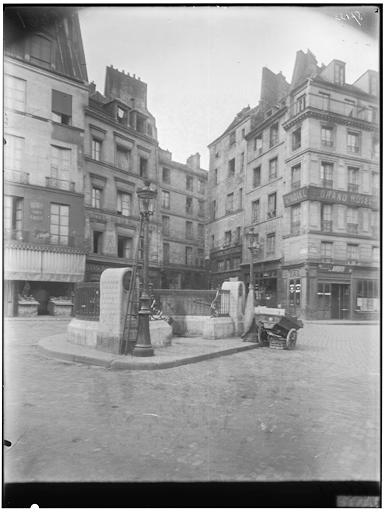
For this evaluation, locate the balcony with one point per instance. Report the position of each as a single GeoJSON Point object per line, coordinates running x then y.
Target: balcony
{"type": "Point", "coordinates": [326, 225]}
{"type": "Point", "coordinates": [17, 176]}
{"type": "Point", "coordinates": [352, 228]}
{"type": "Point", "coordinates": [271, 214]}
{"type": "Point", "coordinates": [327, 183]}
{"type": "Point", "coordinates": [342, 108]}
{"type": "Point", "coordinates": [353, 187]}
{"type": "Point", "coordinates": [295, 185]}
{"type": "Point", "coordinates": [69, 186]}
{"type": "Point", "coordinates": [327, 143]}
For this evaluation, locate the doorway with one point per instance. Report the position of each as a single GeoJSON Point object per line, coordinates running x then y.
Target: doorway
{"type": "Point", "coordinates": [340, 301]}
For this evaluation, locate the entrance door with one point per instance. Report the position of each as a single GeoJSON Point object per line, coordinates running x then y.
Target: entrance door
{"type": "Point", "coordinates": [340, 301]}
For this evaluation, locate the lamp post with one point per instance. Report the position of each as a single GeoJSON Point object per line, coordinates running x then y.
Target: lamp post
{"type": "Point", "coordinates": [253, 246]}
{"type": "Point", "coordinates": [143, 347]}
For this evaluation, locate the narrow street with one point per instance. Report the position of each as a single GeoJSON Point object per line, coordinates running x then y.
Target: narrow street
{"type": "Point", "coordinates": [263, 415]}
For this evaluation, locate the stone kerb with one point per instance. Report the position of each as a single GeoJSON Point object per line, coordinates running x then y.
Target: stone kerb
{"type": "Point", "coordinates": [237, 303]}
{"type": "Point", "coordinates": [114, 285]}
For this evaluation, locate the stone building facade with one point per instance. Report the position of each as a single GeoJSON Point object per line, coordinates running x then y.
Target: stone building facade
{"type": "Point", "coordinates": [182, 213]}
{"type": "Point", "coordinates": [310, 191]}
{"type": "Point", "coordinates": [45, 91]}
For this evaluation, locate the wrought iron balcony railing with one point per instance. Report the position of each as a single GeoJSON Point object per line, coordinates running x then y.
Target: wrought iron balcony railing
{"type": "Point", "coordinates": [327, 183]}
{"type": "Point", "coordinates": [352, 228]}
{"type": "Point", "coordinates": [16, 176]}
{"type": "Point", "coordinates": [353, 187]}
{"type": "Point", "coordinates": [60, 184]}
{"type": "Point", "coordinates": [327, 225]}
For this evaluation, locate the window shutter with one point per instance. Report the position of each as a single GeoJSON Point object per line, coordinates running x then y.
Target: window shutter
{"type": "Point", "coordinates": [61, 103]}
{"type": "Point", "coordinates": [365, 182]}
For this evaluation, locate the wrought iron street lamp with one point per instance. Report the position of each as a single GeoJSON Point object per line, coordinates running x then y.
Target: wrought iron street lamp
{"type": "Point", "coordinates": [253, 246]}
{"type": "Point", "coordinates": [143, 346]}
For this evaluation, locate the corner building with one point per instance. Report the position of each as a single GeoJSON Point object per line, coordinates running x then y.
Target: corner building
{"type": "Point", "coordinates": [331, 196]}
{"type": "Point", "coordinates": [45, 92]}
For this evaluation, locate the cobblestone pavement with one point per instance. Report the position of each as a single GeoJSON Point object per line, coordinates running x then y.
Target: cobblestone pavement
{"type": "Point", "coordinates": [262, 415]}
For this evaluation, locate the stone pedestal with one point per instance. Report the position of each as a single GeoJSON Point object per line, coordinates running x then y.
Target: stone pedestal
{"type": "Point", "coordinates": [237, 303]}
{"type": "Point", "coordinates": [114, 286]}
{"type": "Point", "coordinates": [218, 327]}
{"type": "Point", "coordinates": [59, 307]}
{"type": "Point", "coordinates": [27, 308]}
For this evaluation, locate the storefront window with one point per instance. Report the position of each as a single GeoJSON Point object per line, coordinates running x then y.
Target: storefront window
{"type": "Point", "coordinates": [367, 297]}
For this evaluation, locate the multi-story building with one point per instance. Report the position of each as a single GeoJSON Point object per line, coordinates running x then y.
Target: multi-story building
{"type": "Point", "coordinates": [310, 190]}
{"type": "Point", "coordinates": [227, 163]}
{"type": "Point", "coordinates": [182, 210]}
{"type": "Point", "coordinates": [331, 207]}
{"type": "Point", "coordinates": [120, 154]}
{"type": "Point", "coordinates": [45, 93]}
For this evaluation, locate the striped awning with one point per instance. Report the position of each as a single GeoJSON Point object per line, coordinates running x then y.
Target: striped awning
{"type": "Point", "coordinates": [30, 264]}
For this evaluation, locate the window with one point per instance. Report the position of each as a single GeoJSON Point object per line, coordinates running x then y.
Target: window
{"type": "Point", "coordinates": [232, 138]}
{"type": "Point", "coordinates": [243, 133]}
{"type": "Point", "coordinates": [295, 177]}
{"type": "Point", "coordinates": [374, 218]}
{"type": "Point", "coordinates": [165, 199]}
{"type": "Point", "coordinates": [188, 256]}
{"type": "Point", "coordinates": [352, 220]}
{"type": "Point", "coordinates": [124, 247]}
{"type": "Point", "coordinates": [189, 229]}
{"type": "Point", "coordinates": [96, 149]}
{"type": "Point", "coordinates": [295, 219]}
{"type": "Point", "coordinates": [241, 162]}
{"type": "Point", "coordinates": [326, 169]}
{"type": "Point", "coordinates": [353, 179]}
{"type": "Point", "coordinates": [375, 183]}
{"type": "Point", "coordinates": [215, 176]}
{"type": "Point", "coordinates": [200, 257]}
{"type": "Point", "coordinates": [231, 167]}
{"type": "Point", "coordinates": [201, 186]}
{"type": "Point", "coordinates": [236, 262]}
{"type": "Point", "coordinates": [189, 205]}
{"type": "Point", "coordinates": [165, 225]}
{"type": "Point", "coordinates": [166, 251]}
{"type": "Point", "coordinates": [375, 254]}
{"type": "Point", "coordinates": [189, 183]}
{"type": "Point", "coordinates": [229, 203]}
{"type": "Point", "coordinates": [240, 198]}
{"type": "Point", "coordinates": [214, 209]}
{"type": "Point", "coordinates": [200, 231]}
{"type": "Point", "coordinates": [272, 205]}
{"type": "Point", "coordinates": [258, 144]}
{"type": "Point", "coordinates": [256, 210]}
{"type": "Point", "coordinates": [271, 239]}
{"type": "Point", "coordinates": [121, 116]}
{"type": "Point", "coordinates": [96, 197]}
{"type": "Point", "coordinates": [326, 251]}
{"type": "Point", "coordinates": [165, 175]}
{"type": "Point", "coordinates": [122, 158]}
{"type": "Point", "coordinates": [61, 107]}
{"type": "Point", "coordinates": [13, 153]}
{"type": "Point", "coordinates": [257, 176]}
{"type": "Point", "coordinates": [97, 240]}
{"type": "Point", "coordinates": [353, 145]}
{"type": "Point", "coordinates": [326, 216]}
{"type": "Point", "coordinates": [296, 138]}
{"type": "Point", "coordinates": [238, 235]}
{"type": "Point", "coordinates": [149, 129]}
{"type": "Point", "coordinates": [273, 135]}
{"type": "Point", "coordinates": [352, 253]}
{"type": "Point", "coordinates": [141, 123]}
{"type": "Point", "coordinates": [272, 169]}
{"type": "Point", "coordinates": [324, 297]}
{"type": "Point", "coordinates": [368, 295]}
{"type": "Point", "coordinates": [124, 203]}
{"type": "Point", "coordinates": [201, 208]}
{"type": "Point", "coordinates": [60, 166]}
{"type": "Point", "coordinates": [59, 215]}
{"type": "Point", "coordinates": [221, 265]}
{"type": "Point", "coordinates": [40, 51]}
{"type": "Point", "coordinates": [339, 73]}
{"type": "Point", "coordinates": [143, 167]}
{"type": "Point", "coordinates": [227, 238]}
{"type": "Point", "coordinates": [375, 147]}
{"type": "Point", "coordinates": [300, 104]}
{"type": "Point", "coordinates": [14, 93]}
{"type": "Point", "coordinates": [327, 136]}
{"type": "Point", "coordinates": [325, 100]}
{"type": "Point", "coordinates": [13, 217]}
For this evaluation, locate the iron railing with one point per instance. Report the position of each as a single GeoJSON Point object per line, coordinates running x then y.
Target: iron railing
{"type": "Point", "coordinates": [86, 301]}
{"type": "Point", "coordinates": [16, 176]}
{"type": "Point", "coordinates": [193, 302]}
{"type": "Point", "coordinates": [60, 184]}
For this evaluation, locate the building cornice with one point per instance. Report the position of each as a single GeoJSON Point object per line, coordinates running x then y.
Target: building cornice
{"type": "Point", "coordinates": [329, 117]}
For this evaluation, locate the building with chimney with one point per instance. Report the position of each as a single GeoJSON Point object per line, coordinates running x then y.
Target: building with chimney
{"type": "Point", "coordinates": [45, 92]}
{"type": "Point", "coordinates": [182, 210]}
{"type": "Point", "coordinates": [120, 155]}
{"type": "Point", "coordinates": [310, 189]}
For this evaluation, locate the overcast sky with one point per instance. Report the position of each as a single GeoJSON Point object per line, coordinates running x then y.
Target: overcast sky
{"type": "Point", "coordinates": [202, 65]}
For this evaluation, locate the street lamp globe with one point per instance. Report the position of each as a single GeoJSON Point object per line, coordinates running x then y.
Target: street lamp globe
{"type": "Point", "coordinates": [146, 197]}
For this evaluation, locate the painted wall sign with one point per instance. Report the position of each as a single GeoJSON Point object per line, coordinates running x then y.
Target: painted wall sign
{"type": "Point", "coordinates": [329, 195]}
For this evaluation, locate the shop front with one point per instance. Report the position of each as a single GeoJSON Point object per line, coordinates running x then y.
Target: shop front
{"type": "Point", "coordinates": [267, 278]}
